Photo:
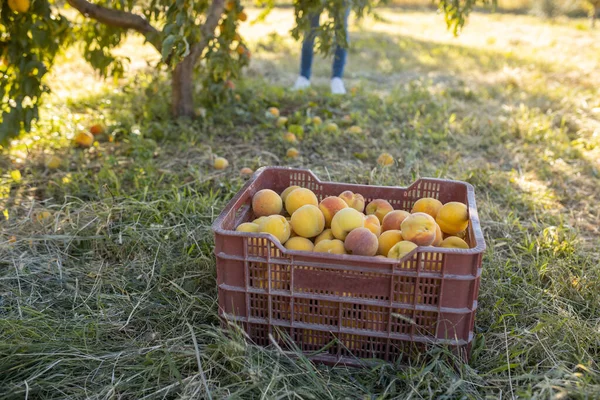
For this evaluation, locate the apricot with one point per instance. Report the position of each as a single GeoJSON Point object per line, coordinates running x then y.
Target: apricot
{"type": "Point", "coordinates": [290, 137]}
{"type": "Point", "coordinates": [298, 198]}
{"type": "Point", "coordinates": [221, 163]}
{"type": "Point", "coordinates": [333, 246]}
{"type": "Point", "coordinates": [84, 139]}
{"type": "Point", "coordinates": [266, 202]}
{"type": "Point", "coordinates": [327, 234]}
{"type": "Point", "coordinates": [354, 200]}
{"type": "Point", "coordinates": [287, 191]}
{"type": "Point", "coordinates": [419, 228]}
{"type": "Point", "coordinates": [329, 206]}
{"type": "Point", "coordinates": [393, 220]}
{"type": "Point", "coordinates": [453, 242]}
{"type": "Point", "coordinates": [361, 242]}
{"type": "Point", "coordinates": [387, 240]}
{"type": "Point", "coordinates": [379, 207]}
{"type": "Point", "coordinates": [428, 205]}
{"type": "Point", "coordinates": [292, 152]}
{"type": "Point", "coordinates": [453, 217]}
{"type": "Point", "coordinates": [345, 220]}
{"type": "Point", "coordinates": [308, 221]}
{"type": "Point", "coordinates": [372, 224]}
{"type": "Point", "coordinates": [401, 249]}
{"type": "Point", "coordinates": [299, 243]}
{"type": "Point", "coordinates": [277, 226]}
{"type": "Point", "coordinates": [247, 227]}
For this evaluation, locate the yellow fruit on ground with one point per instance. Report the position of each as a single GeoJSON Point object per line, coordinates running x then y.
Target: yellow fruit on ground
{"type": "Point", "coordinates": [277, 226]}
{"type": "Point", "coordinates": [329, 206]}
{"type": "Point", "coordinates": [393, 220]}
{"type": "Point", "coordinates": [287, 191]}
{"type": "Point", "coordinates": [334, 246]}
{"type": "Point", "coordinates": [355, 130]}
{"type": "Point", "coordinates": [372, 224]}
{"type": "Point", "coordinates": [308, 221]}
{"type": "Point", "coordinates": [281, 121]}
{"type": "Point", "coordinates": [298, 198]}
{"type": "Point", "coordinates": [385, 159]}
{"type": "Point", "coordinates": [292, 152]}
{"type": "Point", "coordinates": [247, 227]}
{"type": "Point", "coordinates": [220, 163]}
{"type": "Point", "coordinates": [331, 127]}
{"type": "Point", "coordinates": [20, 6]}
{"type": "Point", "coordinates": [453, 242]}
{"type": "Point", "coordinates": [317, 121]}
{"type": "Point", "coordinates": [387, 240]}
{"type": "Point", "coordinates": [272, 112]}
{"type": "Point", "coordinates": [299, 243]}
{"type": "Point", "coordinates": [428, 205]}
{"type": "Point", "coordinates": [327, 234]}
{"type": "Point", "coordinates": [345, 221]}
{"type": "Point", "coordinates": [401, 249]}
{"type": "Point", "coordinates": [96, 129]}
{"type": "Point", "coordinates": [266, 202]}
{"type": "Point", "coordinates": [354, 200]}
{"type": "Point", "coordinates": [290, 137]}
{"type": "Point", "coordinates": [379, 208]}
{"type": "Point", "coordinates": [246, 171]}
{"type": "Point", "coordinates": [84, 139]}
{"type": "Point", "coordinates": [361, 242]}
{"type": "Point", "coordinates": [53, 162]}
{"type": "Point", "coordinates": [453, 217]}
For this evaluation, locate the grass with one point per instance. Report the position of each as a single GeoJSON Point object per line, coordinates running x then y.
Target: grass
{"type": "Point", "coordinates": [112, 294]}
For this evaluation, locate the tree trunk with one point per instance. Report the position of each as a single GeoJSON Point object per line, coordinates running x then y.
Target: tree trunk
{"type": "Point", "coordinates": [182, 94]}
{"type": "Point", "coordinates": [593, 17]}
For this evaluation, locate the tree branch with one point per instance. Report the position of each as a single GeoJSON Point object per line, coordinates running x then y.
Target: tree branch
{"type": "Point", "coordinates": [213, 15]}
{"type": "Point", "coordinates": [119, 19]}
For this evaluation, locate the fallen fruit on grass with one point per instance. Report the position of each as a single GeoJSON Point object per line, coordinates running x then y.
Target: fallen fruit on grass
{"type": "Point", "coordinates": [246, 171]}
{"type": "Point", "coordinates": [453, 242]}
{"type": "Point", "coordinates": [401, 249]}
{"type": "Point", "coordinates": [221, 163]}
{"type": "Point", "coordinates": [453, 217]}
{"type": "Point", "coordinates": [334, 246]}
{"type": "Point", "coordinates": [345, 221]}
{"type": "Point", "coordinates": [393, 220]}
{"type": "Point", "coordinates": [287, 191]}
{"type": "Point", "coordinates": [290, 137]}
{"type": "Point", "coordinates": [361, 242]}
{"type": "Point", "coordinates": [247, 227]}
{"type": "Point", "coordinates": [355, 130]}
{"type": "Point", "coordinates": [387, 240]}
{"type": "Point", "coordinates": [277, 226]}
{"type": "Point", "coordinates": [20, 6]}
{"type": "Point", "coordinates": [299, 243]}
{"type": "Point", "coordinates": [385, 159]}
{"type": "Point", "coordinates": [428, 205]}
{"type": "Point", "coordinates": [298, 198]}
{"type": "Point", "coordinates": [329, 206]}
{"type": "Point", "coordinates": [327, 234]}
{"type": "Point", "coordinates": [281, 121]}
{"type": "Point", "coordinates": [84, 139]}
{"type": "Point", "coordinates": [308, 221]}
{"type": "Point", "coordinates": [419, 228]}
{"type": "Point", "coordinates": [242, 16]}
{"type": "Point", "coordinates": [317, 121]}
{"type": "Point", "coordinates": [53, 162]}
{"type": "Point", "coordinates": [331, 127]}
{"type": "Point", "coordinates": [292, 152]}
{"type": "Point", "coordinates": [354, 200]}
{"type": "Point", "coordinates": [272, 112]}
{"type": "Point", "coordinates": [96, 129]}
{"type": "Point", "coordinates": [379, 208]}
{"type": "Point", "coordinates": [266, 202]}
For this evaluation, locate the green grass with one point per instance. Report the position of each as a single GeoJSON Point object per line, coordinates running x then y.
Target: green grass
{"type": "Point", "coordinates": [113, 295]}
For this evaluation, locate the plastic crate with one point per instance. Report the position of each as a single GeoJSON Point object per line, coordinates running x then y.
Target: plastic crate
{"type": "Point", "coordinates": [344, 308]}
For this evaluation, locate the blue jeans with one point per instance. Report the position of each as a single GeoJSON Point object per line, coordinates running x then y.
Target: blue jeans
{"type": "Point", "coordinates": [339, 57]}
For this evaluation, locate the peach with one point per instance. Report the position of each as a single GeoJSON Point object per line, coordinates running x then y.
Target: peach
{"type": "Point", "coordinates": [453, 217]}
{"type": "Point", "coordinates": [393, 220]}
{"type": "Point", "coordinates": [439, 236]}
{"type": "Point", "coordinates": [258, 220]}
{"type": "Point", "coordinates": [327, 234]}
{"type": "Point", "coordinates": [287, 191]}
{"type": "Point", "coordinates": [345, 220]}
{"type": "Point", "coordinates": [84, 139]}
{"type": "Point", "coordinates": [299, 243]}
{"type": "Point", "coordinates": [221, 163]}
{"type": "Point", "coordinates": [419, 228]}
{"type": "Point", "coordinates": [329, 206]}
{"type": "Point", "coordinates": [380, 208]}
{"type": "Point", "coordinates": [334, 246]}
{"type": "Point", "coordinates": [385, 159]}
{"type": "Point", "coordinates": [266, 202]}
{"type": "Point", "coordinates": [298, 198]}
{"type": "Point", "coordinates": [308, 221]}
{"type": "Point", "coordinates": [372, 224]}
{"type": "Point", "coordinates": [453, 242]}
{"type": "Point", "coordinates": [281, 121]}
{"type": "Point", "coordinates": [246, 172]}
{"type": "Point", "coordinates": [401, 249]}
{"type": "Point", "coordinates": [247, 227]}
{"type": "Point", "coordinates": [361, 242]}
{"type": "Point", "coordinates": [290, 137]}
{"type": "Point", "coordinates": [354, 200]}
{"type": "Point", "coordinates": [277, 226]}
{"type": "Point", "coordinates": [292, 152]}
{"type": "Point", "coordinates": [428, 205]}
{"type": "Point", "coordinates": [387, 240]}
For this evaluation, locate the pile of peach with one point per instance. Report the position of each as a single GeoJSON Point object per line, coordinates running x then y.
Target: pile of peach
{"type": "Point", "coordinates": [337, 225]}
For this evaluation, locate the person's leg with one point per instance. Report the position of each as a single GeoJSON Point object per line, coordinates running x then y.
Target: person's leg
{"type": "Point", "coordinates": [308, 44]}
{"type": "Point", "coordinates": [341, 53]}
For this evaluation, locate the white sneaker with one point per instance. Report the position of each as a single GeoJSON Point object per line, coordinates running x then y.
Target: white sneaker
{"type": "Point", "coordinates": [301, 83]}
{"type": "Point", "coordinates": [337, 86]}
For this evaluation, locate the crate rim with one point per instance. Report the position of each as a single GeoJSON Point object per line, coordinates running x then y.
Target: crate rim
{"type": "Point", "coordinates": [479, 248]}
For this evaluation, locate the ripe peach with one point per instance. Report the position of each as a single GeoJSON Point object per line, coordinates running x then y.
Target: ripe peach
{"type": "Point", "coordinates": [329, 206]}
{"type": "Point", "coordinates": [308, 221]}
{"type": "Point", "coordinates": [361, 242]}
{"type": "Point", "coordinates": [334, 246]}
{"type": "Point", "coordinates": [298, 198]}
{"type": "Point", "coordinates": [453, 217]}
{"type": "Point", "coordinates": [290, 137]}
{"type": "Point", "coordinates": [345, 221]}
{"type": "Point", "coordinates": [84, 139]}
{"type": "Point", "coordinates": [393, 220]}
{"type": "Point", "coordinates": [372, 224]}
{"type": "Point", "coordinates": [419, 228]}
{"type": "Point", "coordinates": [246, 171]}
{"type": "Point", "coordinates": [272, 112]}
{"type": "Point", "coordinates": [379, 207]}
{"type": "Point", "coordinates": [453, 242]}
{"type": "Point", "coordinates": [327, 234]}
{"type": "Point", "coordinates": [385, 159]}
{"type": "Point", "coordinates": [220, 163]}
{"type": "Point", "coordinates": [428, 205]}
{"type": "Point", "coordinates": [96, 129]}
{"type": "Point", "coordinates": [266, 202]}
{"type": "Point", "coordinates": [354, 200]}
{"type": "Point", "coordinates": [387, 240]}
{"type": "Point", "coordinates": [258, 220]}
{"type": "Point", "coordinates": [292, 152]}
{"type": "Point", "coordinates": [439, 236]}
{"type": "Point", "coordinates": [401, 249]}
{"type": "Point", "coordinates": [299, 243]}
{"type": "Point", "coordinates": [287, 191]}
{"type": "Point", "coordinates": [277, 226]}
{"type": "Point", "coordinates": [247, 227]}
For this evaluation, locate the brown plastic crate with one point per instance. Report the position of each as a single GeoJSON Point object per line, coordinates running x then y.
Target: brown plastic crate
{"type": "Point", "coordinates": [343, 308]}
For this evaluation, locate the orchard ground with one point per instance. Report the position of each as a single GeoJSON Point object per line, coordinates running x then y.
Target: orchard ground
{"type": "Point", "coordinates": [112, 294]}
